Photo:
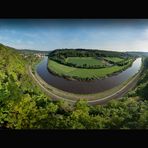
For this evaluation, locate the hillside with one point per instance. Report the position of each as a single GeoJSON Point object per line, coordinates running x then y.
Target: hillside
{"type": "Point", "coordinates": [24, 106]}
{"type": "Point", "coordinates": [86, 52]}
{"type": "Point", "coordinates": [144, 54]}
{"type": "Point", "coordinates": [28, 51]}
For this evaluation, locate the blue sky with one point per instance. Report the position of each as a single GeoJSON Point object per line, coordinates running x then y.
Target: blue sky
{"type": "Point", "coordinates": [49, 34]}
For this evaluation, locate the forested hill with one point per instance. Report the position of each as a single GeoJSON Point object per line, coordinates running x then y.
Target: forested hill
{"type": "Point", "coordinates": [13, 74]}
{"type": "Point", "coordinates": [142, 54]}
{"type": "Point", "coordinates": [24, 106]}
{"type": "Point", "coordinates": [86, 53]}
{"type": "Point", "coordinates": [28, 51]}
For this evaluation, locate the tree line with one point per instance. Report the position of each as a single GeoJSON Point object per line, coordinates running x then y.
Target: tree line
{"type": "Point", "coordinates": [60, 55]}
{"type": "Point", "coordinates": [85, 53]}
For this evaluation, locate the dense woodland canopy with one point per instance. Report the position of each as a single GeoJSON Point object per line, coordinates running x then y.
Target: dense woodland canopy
{"type": "Point", "coordinates": [23, 105]}
{"type": "Point", "coordinates": [84, 53]}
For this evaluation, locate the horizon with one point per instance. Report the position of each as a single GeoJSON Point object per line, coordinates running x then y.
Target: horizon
{"type": "Point", "coordinates": [49, 34]}
{"type": "Point", "coordinates": [84, 48]}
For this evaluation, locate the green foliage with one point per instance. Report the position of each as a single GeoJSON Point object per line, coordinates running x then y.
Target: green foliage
{"type": "Point", "coordinates": [64, 53]}
{"type": "Point", "coordinates": [146, 63]}
{"type": "Point", "coordinates": [143, 119]}
{"type": "Point", "coordinates": [24, 106]}
{"type": "Point", "coordinates": [142, 86]}
{"type": "Point", "coordinates": [82, 105]}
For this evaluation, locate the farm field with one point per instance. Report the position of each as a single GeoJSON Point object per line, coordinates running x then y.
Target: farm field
{"type": "Point", "coordinates": [80, 61]}
{"type": "Point", "coordinates": [82, 73]}
{"type": "Point", "coordinates": [114, 59]}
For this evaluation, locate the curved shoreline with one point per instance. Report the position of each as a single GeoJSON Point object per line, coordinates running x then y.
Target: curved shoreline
{"type": "Point", "coordinates": [55, 95]}
{"type": "Point", "coordinates": [89, 79]}
{"type": "Point", "coordinates": [91, 87]}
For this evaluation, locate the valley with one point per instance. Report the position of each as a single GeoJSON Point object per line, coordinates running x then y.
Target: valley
{"type": "Point", "coordinates": [25, 105]}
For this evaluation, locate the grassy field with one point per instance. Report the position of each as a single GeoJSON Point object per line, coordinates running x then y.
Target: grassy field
{"type": "Point", "coordinates": [85, 60]}
{"type": "Point", "coordinates": [81, 73]}
{"type": "Point", "coordinates": [114, 59]}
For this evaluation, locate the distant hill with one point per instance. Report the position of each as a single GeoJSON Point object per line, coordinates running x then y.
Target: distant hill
{"type": "Point", "coordinates": [87, 53]}
{"type": "Point", "coordinates": [28, 51]}
{"type": "Point", "coordinates": [145, 54]}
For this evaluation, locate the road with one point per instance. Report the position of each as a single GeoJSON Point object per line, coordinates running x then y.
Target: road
{"type": "Point", "coordinates": [120, 93]}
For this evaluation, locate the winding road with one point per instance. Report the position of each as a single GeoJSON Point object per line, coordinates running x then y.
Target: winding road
{"type": "Point", "coordinates": [117, 95]}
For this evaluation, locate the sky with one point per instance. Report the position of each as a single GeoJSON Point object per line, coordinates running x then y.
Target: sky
{"type": "Point", "coordinates": [50, 34]}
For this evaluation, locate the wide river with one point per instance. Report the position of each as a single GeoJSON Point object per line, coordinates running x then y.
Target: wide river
{"type": "Point", "coordinates": [88, 87]}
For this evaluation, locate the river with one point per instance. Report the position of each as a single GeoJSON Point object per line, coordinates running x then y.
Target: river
{"type": "Point", "coordinates": [86, 87]}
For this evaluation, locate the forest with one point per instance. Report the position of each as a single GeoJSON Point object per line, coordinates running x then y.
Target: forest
{"type": "Point", "coordinates": [24, 106]}
{"type": "Point", "coordinates": [85, 53]}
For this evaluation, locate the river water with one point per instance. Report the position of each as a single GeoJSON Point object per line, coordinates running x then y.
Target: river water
{"type": "Point", "coordinates": [86, 87]}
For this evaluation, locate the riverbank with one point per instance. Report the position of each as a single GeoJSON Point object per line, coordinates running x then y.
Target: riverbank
{"type": "Point", "coordinates": [80, 74]}
{"type": "Point", "coordinates": [91, 87]}
{"type": "Point", "coordinates": [97, 98]}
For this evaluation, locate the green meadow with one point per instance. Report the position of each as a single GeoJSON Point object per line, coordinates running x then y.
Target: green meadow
{"type": "Point", "coordinates": [82, 73]}
{"type": "Point", "coordinates": [80, 61]}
